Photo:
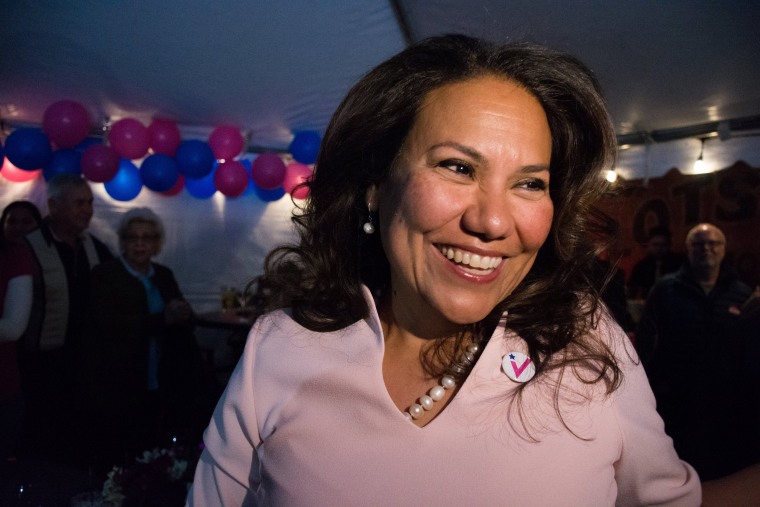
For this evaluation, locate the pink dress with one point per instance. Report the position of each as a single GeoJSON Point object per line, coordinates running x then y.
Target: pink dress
{"type": "Point", "coordinates": [306, 420]}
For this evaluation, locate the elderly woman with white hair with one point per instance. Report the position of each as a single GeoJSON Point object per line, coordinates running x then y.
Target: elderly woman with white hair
{"type": "Point", "coordinates": [141, 364]}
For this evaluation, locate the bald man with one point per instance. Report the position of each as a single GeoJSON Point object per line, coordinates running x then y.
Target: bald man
{"type": "Point", "coordinates": [688, 341]}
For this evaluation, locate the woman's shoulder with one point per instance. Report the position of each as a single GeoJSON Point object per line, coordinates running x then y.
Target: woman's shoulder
{"type": "Point", "coordinates": [162, 270]}
{"type": "Point", "coordinates": [278, 333]}
{"type": "Point", "coordinates": [597, 363]}
{"type": "Point", "coordinates": [18, 258]}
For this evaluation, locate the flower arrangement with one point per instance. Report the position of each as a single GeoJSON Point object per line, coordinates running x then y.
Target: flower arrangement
{"type": "Point", "coordinates": [159, 477]}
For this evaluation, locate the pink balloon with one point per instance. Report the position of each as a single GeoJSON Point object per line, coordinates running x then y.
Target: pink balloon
{"type": "Point", "coordinates": [66, 123]}
{"type": "Point", "coordinates": [129, 138]}
{"type": "Point", "coordinates": [164, 136]}
{"type": "Point", "coordinates": [268, 171]}
{"type": "Point", "coordinates": [231, 178]}
{"type": "Point", "coordinates": [177, 188]}
{"type": "Point", "coordinates": [226, 142]}
{"type": "Point", "coordinates": [295, 174]}
{"type": "Point", "coordinates": [12, 173]}
{"type": "Point", "coordinates": [99, 163]}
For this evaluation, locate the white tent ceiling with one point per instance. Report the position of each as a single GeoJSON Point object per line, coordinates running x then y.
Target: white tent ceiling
{"type": "Point", "coordinates": [277, 67]}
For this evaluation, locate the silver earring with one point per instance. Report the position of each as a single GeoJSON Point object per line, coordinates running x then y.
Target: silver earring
{"type": "Point", "coordinates": [368, 227]}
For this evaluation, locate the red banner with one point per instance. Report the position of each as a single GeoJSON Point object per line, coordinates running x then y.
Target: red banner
{"type": "Point", "coordinates": [729, 199]}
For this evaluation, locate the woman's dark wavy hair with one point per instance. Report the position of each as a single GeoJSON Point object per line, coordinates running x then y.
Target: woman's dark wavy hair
{"type": "Point", "coordinates": [321, 277]}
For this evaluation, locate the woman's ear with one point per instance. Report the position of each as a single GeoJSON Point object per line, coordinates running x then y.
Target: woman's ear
{"type": "Point", "coordinates": [371, 198]}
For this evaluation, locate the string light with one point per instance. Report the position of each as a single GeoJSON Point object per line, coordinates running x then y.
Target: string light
{"type": "Point", "coordinates": [700, 166]}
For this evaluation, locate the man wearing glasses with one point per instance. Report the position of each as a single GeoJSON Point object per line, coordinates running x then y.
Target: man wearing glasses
{"type": "Point", "coordinates": [689, 341]}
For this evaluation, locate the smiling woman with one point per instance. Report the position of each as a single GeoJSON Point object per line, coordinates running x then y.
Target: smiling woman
{"type": "Point", "coordinates": [437, 335]}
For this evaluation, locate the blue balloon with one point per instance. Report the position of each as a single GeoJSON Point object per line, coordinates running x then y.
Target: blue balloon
{"type": "Point", "coordinates": [86, 143]}
{"type": "Point", "coordinates": [268, 195]}
{"type": "Point", "coordinates": [202, 188]}
{"type": "Point", "coordinates": [65, 160]}
{"type": "Point", "coordinates": [195, 159]}
{"type": "Point", "coordinates": [28, 149]}
{"type": "Point", "coordinates": [159, 172]}
{"type": "Point", "coordinates": [305, 146]}
{"type": "Point", "coordinates": [126, 185]}
{"type": "Point", "coordinates": [251, 185]}
{"type": "Point", "coordinates": [2, 153]}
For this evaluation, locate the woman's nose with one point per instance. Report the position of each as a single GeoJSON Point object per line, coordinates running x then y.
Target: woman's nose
{"type": "Point", "coordinates": [489, 215]}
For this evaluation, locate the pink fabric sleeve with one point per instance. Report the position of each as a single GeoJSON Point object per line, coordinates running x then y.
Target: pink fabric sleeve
{"type": "Point", "coordinates": [227, 472]}
{"type": "Point", "coordinates": [649, 471]}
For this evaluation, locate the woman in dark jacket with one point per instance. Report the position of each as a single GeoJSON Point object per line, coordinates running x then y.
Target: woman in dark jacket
{"type": "Point", "coordinates": [141, 365]}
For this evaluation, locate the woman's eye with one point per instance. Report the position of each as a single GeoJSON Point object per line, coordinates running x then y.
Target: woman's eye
{"type": "Point", "coordinates": [457, 167]}
{"type": "Point", "coordinates": [536, 184]}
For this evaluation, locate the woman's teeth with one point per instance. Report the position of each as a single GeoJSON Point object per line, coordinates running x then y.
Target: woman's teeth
{"type": "Point", "coordinates": [470, 259]}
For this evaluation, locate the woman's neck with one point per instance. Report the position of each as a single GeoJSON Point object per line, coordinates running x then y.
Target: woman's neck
{"type": "Point", "coordinates": [414, 325]}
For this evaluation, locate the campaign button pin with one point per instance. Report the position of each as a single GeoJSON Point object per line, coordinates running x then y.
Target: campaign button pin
{"type": "Point", "coordinates": [518, 366]}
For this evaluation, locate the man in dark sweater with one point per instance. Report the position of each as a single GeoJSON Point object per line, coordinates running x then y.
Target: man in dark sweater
{"type": "Point", "coordinates": [689, 341]}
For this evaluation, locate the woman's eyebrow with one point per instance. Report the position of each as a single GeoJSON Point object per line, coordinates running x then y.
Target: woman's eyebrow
{"type": "Point", "coordinates": [470, 152]}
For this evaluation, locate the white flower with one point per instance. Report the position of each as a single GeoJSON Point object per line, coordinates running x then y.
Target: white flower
{"type": "Point", "coordinates": [177, 470]}
{"type": "Point", "coordinates": [112, 492]}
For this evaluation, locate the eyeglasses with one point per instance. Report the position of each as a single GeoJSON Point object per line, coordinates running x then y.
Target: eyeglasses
{"type": "Point", "coordinates": [712, 244]}
{"type": "Point", "coordinates": [145, 238]}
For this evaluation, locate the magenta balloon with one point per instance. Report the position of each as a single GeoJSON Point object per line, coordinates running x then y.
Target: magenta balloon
{"type": "Point", "coordinates": [295, 174]}
{"type": "Point", "coordinates": [66, 123]}
{"type": "Point", "coordinates": [164, 136]}
{"type": "Point", "coordinates": [129, 138]}
{"type": "Point", "coordinates": [99, 163]}
{"type": "Point", "coordinates": [226, 142]}
{"type": "Point", "coordinates": [231, 178]}
{"type": "Point", "coordinates": [268, 171]}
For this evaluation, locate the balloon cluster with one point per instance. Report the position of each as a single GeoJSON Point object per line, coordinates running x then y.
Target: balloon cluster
{"type": "Point", "coordinates": [169, 164]}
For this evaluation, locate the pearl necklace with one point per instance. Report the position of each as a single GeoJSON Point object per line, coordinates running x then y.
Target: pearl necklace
{"type": "Point", "coordinates": [426, 401]}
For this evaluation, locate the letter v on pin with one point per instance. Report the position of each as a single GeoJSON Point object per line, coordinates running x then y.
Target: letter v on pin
{"type": "Point", "coordinates": [518, 366]}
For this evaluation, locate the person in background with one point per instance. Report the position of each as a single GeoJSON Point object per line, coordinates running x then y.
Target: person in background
{"type": "Point", "coordinates": [16, 271]}
{"type": "Point", "coordinates": [65, 252]}
{"type": "Point", "coordinates": [702, 371]}
{"type": "Point", "coordinates": [141, 366]}
{"type": "Point", "coordinates": [658, 261]}
{"type": "Point", "coordinates": [437, 336]}
{"type": "Point", "coordinates": [18, 219]}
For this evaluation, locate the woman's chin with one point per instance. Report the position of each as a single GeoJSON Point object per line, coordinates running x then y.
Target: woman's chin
{"type": "Point", "coordinates": [466, 315]}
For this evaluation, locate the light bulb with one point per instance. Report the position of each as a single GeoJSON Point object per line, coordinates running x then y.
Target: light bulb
{"type": "Point", "coordinates": [699, 165]}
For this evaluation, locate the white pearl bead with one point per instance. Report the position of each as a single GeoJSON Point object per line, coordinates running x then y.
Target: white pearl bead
{"type": "Point", "coordinates": [416, 411]}
{"type": "Point", "coordinates": [437, 393]}
{"type": "Point", "coordinates": [368, 228]}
